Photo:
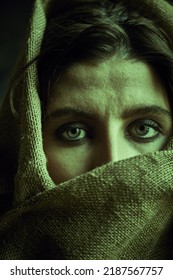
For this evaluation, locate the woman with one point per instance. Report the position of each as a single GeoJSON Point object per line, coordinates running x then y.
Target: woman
{"type": "Point", "coordinates": [105, 86]}
{"type": "Point", "coordinates": [106, 74]}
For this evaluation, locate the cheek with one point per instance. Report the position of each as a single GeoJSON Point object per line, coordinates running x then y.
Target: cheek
{"type": "Point", "coordinates": [65, 164]}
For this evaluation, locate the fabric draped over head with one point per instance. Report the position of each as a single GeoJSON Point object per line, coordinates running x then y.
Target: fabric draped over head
{"type": "Point", "coordinates": [122, 210]}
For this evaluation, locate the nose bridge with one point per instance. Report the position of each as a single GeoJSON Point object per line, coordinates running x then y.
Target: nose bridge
{"type": "Point", "coordinates": [110, 147]}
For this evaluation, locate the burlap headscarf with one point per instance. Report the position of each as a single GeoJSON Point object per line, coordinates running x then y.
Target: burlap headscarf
{"type": "Point", "coordinates": [122, 210]}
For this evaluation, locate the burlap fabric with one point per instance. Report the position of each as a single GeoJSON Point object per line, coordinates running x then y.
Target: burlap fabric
{"type": "Point", "coordinates": [122, 210]}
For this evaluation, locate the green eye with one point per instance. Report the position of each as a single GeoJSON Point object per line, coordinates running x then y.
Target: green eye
{"type": "Point", "coordinates": [73, 132]}
{"type": "Point", "coordinates": [144, 130]}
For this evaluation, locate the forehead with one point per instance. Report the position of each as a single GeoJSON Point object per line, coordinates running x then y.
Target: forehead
{"type": "Point", "coordinates": [110, 83]}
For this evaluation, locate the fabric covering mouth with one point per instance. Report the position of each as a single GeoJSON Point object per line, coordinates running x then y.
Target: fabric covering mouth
{"type": "Point", "coordinates": [108, 213]}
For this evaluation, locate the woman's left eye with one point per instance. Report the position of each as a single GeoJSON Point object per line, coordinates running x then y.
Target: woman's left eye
{"type": "Point", "coordinates": [72, 132]}
{"type": "Point", "coordinates": [144, 130]}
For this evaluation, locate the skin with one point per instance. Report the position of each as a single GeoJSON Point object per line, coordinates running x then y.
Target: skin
{"type": "Point", "coordinates": [105, 112]}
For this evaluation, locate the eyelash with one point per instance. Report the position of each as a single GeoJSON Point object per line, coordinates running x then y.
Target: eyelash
{"type": "Point", "coordinates": [150, 124]}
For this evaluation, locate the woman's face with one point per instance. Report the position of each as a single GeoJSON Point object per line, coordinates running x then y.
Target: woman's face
{"type": "Point", "coordinates": [104, 113]}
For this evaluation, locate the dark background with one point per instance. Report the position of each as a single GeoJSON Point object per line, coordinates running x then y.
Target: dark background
{"type": "Point", "coordinates": [14, 16]}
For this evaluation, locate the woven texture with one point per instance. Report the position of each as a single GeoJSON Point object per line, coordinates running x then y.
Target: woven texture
{"type": "Point", "coordinates": [122, 210]}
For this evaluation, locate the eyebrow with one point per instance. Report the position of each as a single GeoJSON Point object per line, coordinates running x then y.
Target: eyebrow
{"type": "Point", "coordinates": [70, 111]}
{"type": "Point", "coordinates": [127, 113]}
{"type": "Point", "coordinates": [146, 110]}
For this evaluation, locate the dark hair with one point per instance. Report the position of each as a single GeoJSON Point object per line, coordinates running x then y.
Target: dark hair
{"type": "Point", "coordinates": [97, 32]}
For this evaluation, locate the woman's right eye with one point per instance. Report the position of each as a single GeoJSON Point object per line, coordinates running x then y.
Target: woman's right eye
{"type": "Point", "coordinates": [73, 132]}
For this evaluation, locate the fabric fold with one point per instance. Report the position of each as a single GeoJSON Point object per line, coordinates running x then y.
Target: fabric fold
{"type": "Point", "coordinates": [94, 216]}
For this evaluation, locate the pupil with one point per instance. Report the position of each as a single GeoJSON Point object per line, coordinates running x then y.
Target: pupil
{"type": "Point", "coordinates": [143, 129]}
{"type": "Point", "coordinates": [74, 130]}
